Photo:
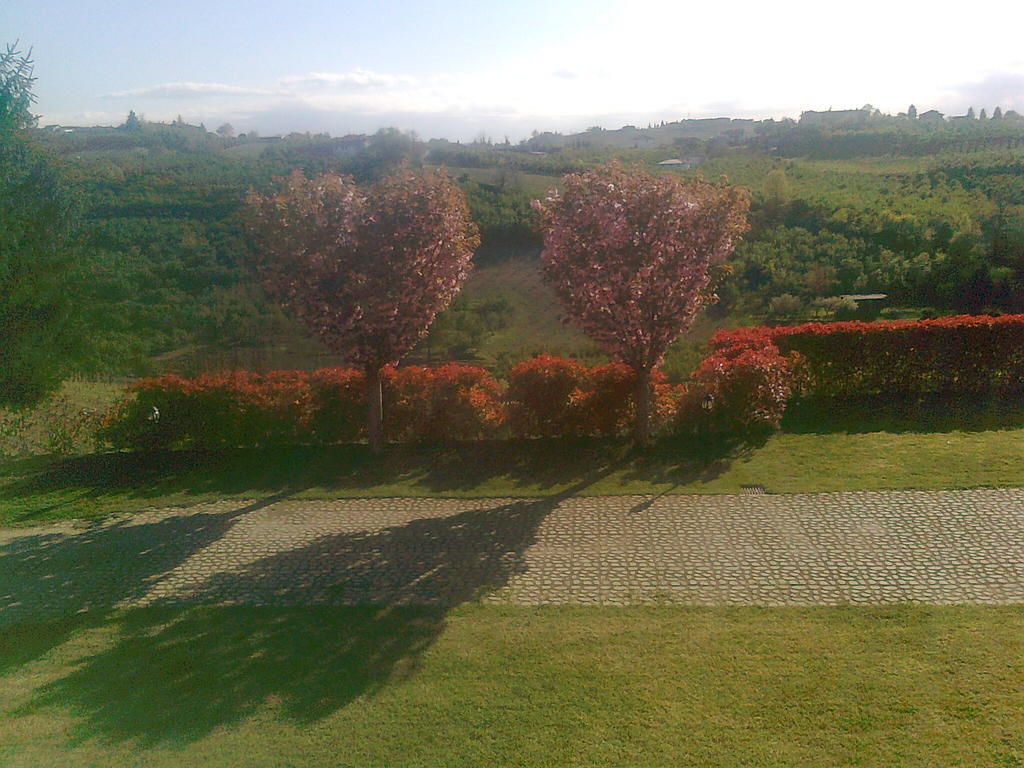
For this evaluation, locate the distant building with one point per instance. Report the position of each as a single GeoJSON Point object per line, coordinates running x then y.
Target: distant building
{"type": "Point", "coordinates": [932, 115]}
{"type": "Point", "coordinates": [680, 164]}
{"type": "Point", "coordinates": [865, 296]}
{"type": "Point", "coordinates": [869, 305]}
{"type": "Point", "coordinates": [835, 118]}
{"type": "Point", "coordinates": [349, 146]}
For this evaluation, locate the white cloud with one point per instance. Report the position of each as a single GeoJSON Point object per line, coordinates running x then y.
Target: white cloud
{"type": "Point", "coordinates": [187, 91]}
{"type": "Point", "coordinates": [356, 78]}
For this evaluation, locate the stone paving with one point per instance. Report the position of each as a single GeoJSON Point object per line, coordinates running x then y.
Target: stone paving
{"type": "Point", "coordinates": [857, 548]}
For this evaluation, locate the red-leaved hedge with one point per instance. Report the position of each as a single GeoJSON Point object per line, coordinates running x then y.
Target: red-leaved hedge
{"type": "Point", "coordinates": [211, 410]}
{"type": "Point", "coordinates": [965, 354]}
{"type": "Point", "coordinates": [545, 397]}
{"type": "Point", "coordinates": [553, 397]}
{"type": "Point", "coordinates": [453, 402]}
{"type": "Point", "coordinates": [738, 391]}
{"type": "Point", "coordinates": [743, 386]}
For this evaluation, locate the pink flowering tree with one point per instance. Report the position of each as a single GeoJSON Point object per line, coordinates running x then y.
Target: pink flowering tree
{"type": "Point", "coordinates": [366, 270]}
{"type": "Point", "coordinates": [631, 256]}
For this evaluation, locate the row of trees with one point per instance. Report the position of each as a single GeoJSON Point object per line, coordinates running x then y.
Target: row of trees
{"type": "Point", "coordinates": [631, 257]}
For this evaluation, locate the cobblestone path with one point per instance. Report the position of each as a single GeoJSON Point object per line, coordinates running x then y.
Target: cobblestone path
{"type": "Point", "coordinates": [860, 547]}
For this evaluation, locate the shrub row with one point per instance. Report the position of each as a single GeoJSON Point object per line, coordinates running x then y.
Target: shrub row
{"type": "Point", "coordinates": [961, 355]}
{"type": "Point", "coordinates": [452, 402]}
{"type": "Point", "coordinates": [742, 387]}
{"type": "Point", "coordinates": [546, 397]}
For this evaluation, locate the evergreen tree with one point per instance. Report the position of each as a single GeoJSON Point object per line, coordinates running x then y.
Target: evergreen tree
{"type": "Point", "coordinates": [132, 122]}
{"type": "Point", "coordinates": [39, 334]}
{"type": "Point", "coordinates": [970, 114]}
{"type": "Point", "coordinates": [912, 112]}
{"type": "Point", "coordinates": [983, 115]}
{"type": "Point", "coordinates": [997, 113]}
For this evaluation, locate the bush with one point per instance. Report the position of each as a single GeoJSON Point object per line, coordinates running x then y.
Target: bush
{"type": "Point", "coordinates": [543, 395]}
{"type": "Point", "coordinates": [453, 402]}
{"type": "Point", "coordinates": [785, 305]}
{"type": "Point", "coordinates": [962, 355]}
{"type": "Point", "coordinates": [737, 391]}
{"type": "Point", "coordinates": [211, 410]}
{"type": "Point", "coordinates": [54, 426]}
{"type": "Point", "coordinates": [156, 413]}
{"type": "Point", "coordinates": [554, 397]}
{"type": "Point", "coordinates": [337, 405]}
{"type": "Point", "coordinates": [273, 408]}
{"type": "Point", "coordinates": [603, 403]}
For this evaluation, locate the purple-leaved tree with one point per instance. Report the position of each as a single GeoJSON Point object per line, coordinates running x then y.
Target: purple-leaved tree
{"type": "Point", "coordinates": [366, 270]}
{"type": "Point", "coordinates": [630, 256]}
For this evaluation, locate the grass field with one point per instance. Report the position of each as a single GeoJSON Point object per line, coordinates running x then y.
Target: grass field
{"type": "Point", "coordinates": [67, 419]}
{"type": "Point", "coordinates": [534, 324]}
{"type": "Point", "coordinates": [661, 685]}
{"type": "Point", "coordinates": [493, 685]}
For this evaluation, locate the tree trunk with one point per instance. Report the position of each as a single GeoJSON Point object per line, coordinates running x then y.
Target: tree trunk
{"type": "Point", "coordinates": [375, 409]}
{"type": "Point", "coordinates": [642, 407]}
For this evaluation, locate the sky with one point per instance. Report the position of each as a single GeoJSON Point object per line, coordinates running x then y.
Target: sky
{"type": "Point", "coordinates": [460, 69]}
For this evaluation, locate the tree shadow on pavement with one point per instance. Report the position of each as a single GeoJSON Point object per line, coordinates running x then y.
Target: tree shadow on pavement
{"type": "Point", "coordinates": [311, 628]}
{"type": "Point", "coordinates": [53, 584]}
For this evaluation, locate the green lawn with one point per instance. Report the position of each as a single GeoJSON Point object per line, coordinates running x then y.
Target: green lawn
{"type": "Point", "coordinates": [494, 685]}
{"type": "Point", "coordinates": [482, 685]}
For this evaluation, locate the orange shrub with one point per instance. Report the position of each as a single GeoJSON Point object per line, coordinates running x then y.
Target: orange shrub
{"type": "Point", "coordinates": [552, 396]}
{"type": "Point", "coordinates": [453, 402]}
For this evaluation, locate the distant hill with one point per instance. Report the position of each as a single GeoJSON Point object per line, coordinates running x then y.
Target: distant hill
{"type": "Point", "coordinates": [661, 135]}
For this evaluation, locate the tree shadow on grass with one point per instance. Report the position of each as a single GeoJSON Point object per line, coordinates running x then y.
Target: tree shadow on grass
{"type": "Point", "coordinates": [489, 468]}
{"type": "Point", "coordinates": [312, 628]}
{"type": "Point", "coordinates": [931, 413]}
{"type": "Point", "coordinates": [687, 459]}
